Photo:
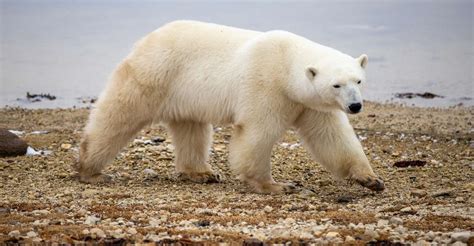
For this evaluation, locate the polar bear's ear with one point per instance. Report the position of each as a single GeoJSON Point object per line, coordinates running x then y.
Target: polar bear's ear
{"type": "Point", "coordinates": [363, 59]}
{"type": "Point", "coordinates": [311, 73]}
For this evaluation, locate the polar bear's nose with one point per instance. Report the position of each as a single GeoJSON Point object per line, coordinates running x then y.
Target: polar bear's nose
{"type": "Point", "coordinates": [355, 107]}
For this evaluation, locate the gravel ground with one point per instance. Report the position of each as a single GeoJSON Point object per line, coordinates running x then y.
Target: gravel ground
{"type": "Point", "coordinates": [41, 200]}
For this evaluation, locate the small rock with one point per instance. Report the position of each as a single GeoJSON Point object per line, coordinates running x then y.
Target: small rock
{"type": "Point", "coordinates": [219, 147]}
{"type": "Point", "coordinates": [203, 223]}
{"type": "Point", "coordinates": [155, 222]}
{"type": "Point", "coordinates": [268, 209]}
{"type": "Point", "coordinates": [344, 199]}
{"type": "Point", "coordinates": [89, 193]}
{"type": "Point", "coordinates": [289, 221]}
{"type": "Point", "coordinates": [31, 234]}
{"type": "Point", "coordinates": [132, 230]}
{"type": "Point", "coordinates": [150, 173]}
{"type": "Point", "coordinates": [91, 220]}
{"type": "Point", "coordinates": [97, 232]}
{"type": "Point", "coordinates": [40, 212]}
{"type": "Point", "coordinates": [85, 232]}
{"type": "Point", "coordinates": [332, 234]}
{"type": "Point", "coordinates": [158, 139]}
{"type": "Point", "coordinates": [422, 242]}
{"type": "Point", "coordinates": [458, 243]}
{"type": "Point", "coordinates": [11, 144]}
{"type": "Point", "coordinates": [396, 221]}
{"type": "Point", "coordinates": [462, 236]}
{"type": "Point", "coordinates": [418, 193]}
{"type": "Point", "coordinates": [372, 234]}
{"type": "Point", "coordinates": [306, 193]}
{"type": "Point", "coordinates": [37, 239]}
{"type": "Point", "coordinates": [117, 233]}
{"type": "Point", "coordinates": [430, 235]}
{"type": "Point", "coordinates": [15, 234]}
{"type": "Point", "coordinates": [382, 223]}
{"type": "Point", "coordinates": [406, 209]}
{"type": "Point", "coordinates": [252, 242]}
{"type": "Point", "coordinates": [349, 239]}
{"type": "Point", "coordinates": [443, 193]}
{"type": "Point", "coordinates": [66, 146]}
{"type": "Point", "coordinates": [459, 199]}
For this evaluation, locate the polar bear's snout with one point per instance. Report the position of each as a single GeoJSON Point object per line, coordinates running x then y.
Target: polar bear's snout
{"type": "Point", "coordinates": [351, 99]}
{"type": "Point", "coordinates": [355, 108]}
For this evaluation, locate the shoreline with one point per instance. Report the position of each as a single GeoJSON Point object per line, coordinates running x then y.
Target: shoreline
{"type": "Point", "coordinates": [85, 102]}
{"type": "Point", "coordinates": [43, 202]}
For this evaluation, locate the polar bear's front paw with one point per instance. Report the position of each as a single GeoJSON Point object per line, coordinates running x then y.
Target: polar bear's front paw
{"type": "Point", "coordinates": [373, 183]}
{"type": "Point", "coordinates": [275, 188]}
{"type": "Point", "coordinates": [99, 178]}
{"type": "Point", "coordinates": [205, 177]}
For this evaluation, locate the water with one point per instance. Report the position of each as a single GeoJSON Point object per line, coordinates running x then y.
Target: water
{"type": "Point", "coordinates": [68, 48]}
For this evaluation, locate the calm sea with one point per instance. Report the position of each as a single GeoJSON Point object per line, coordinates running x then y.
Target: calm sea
{"type": "Point", "coordinates": [68, 48]}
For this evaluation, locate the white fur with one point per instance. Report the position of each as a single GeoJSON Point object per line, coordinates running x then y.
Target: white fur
{"type": "Point", "coordinates": [190, 74]}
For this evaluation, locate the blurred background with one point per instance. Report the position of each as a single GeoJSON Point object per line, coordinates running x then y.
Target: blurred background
{"type": "Point", "coordinates": [68, 48]}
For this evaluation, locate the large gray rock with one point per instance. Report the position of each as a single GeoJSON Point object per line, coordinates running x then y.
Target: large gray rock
{"type": "Point", "coordinates": [11, 144]}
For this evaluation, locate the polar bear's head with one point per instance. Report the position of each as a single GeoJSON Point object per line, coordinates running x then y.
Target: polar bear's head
{"type": "Point", "coordinates": [333, 83]}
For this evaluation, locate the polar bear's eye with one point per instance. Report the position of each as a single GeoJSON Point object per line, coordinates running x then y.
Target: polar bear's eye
{"type": "Point", "coordinates": [336, 86]}
{"type": "Point", "coordinates": [358, 82]}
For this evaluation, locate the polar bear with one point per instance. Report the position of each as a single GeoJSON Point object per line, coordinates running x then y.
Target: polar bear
{"type": "Point", "coordinates": [189, 75]}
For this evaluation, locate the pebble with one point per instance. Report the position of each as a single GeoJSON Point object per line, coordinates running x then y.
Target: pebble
{"type": "Point", "coordinates": [458, 243]}
{"type": "Point", "coordinates": [406, 209]}
{"type": "Point", "coordinates": [31, 234]}
{"type": "Point", "coordinates": [268, 209]}
{"type": "Point", "coordinates": [150, 172]}
{"type": "Point", "coordinates": [382, 223]}
{"type": "Point", "coordinates": [66, 146]}
{"type": "Point", "coordinates": [154, 222]}
{"type": "Point", "coordinates": [344, 199]}
{"type": "Point", "coordinates": [132, 231]}
{"type": "Point", "coordinates": [332, 234]}
{"type": "Point", "coordinates": [40, 212]}
{"type": "Point", "coordinates": [372, 234]}
{"type": "Point", "coordinates": [349, 239]}
{"type": "Point", "coordinates": [91, 220]}
{"type": "Point", "coordinates": [462, 236]}
{"type": "Point", "coordinates": [15, 234]}
{"type": "Point", "coordinates": [443, 193]}
{"type": "Point", "coordinates": [97, 232]}
{"type": "Point", "coordinates": [252, 242]}
{"type": "Point", "coordinates": [459, 199]}
{"type": "Point", "coordinates": [418, 193]}
{"type": "Point", "coordinates": [396, 221]}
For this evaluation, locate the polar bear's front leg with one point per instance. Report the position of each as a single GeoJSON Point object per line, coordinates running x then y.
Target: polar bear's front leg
{"type": "Point", "coordinates": [192, 141]}
{"type": "Point", "coordinates": [250, 152]}
{"type": "Point", "coordinates": [332, 142]}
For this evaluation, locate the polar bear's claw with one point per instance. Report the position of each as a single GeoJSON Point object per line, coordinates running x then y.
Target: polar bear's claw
{"type": "Point", "coordinates": [374, 184]}
{"type": "Point", "coordinates": [206, 177]}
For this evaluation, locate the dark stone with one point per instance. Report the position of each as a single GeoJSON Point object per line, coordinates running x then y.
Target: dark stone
{"type": "Point", "coordinates": [158, 139]}
{"type": "Point", "coordinates": [11, 144]}
{"type": "Point", "coordinates": [203, 223]}
{"type": "Point", "coordinates": [252, 242]}
{"type": "Point", "coordinates": [410, 95]}
{"type": "Point", "coordinates": [415, 163]}
{"type": "Point", "coordinates": [344, 199]}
